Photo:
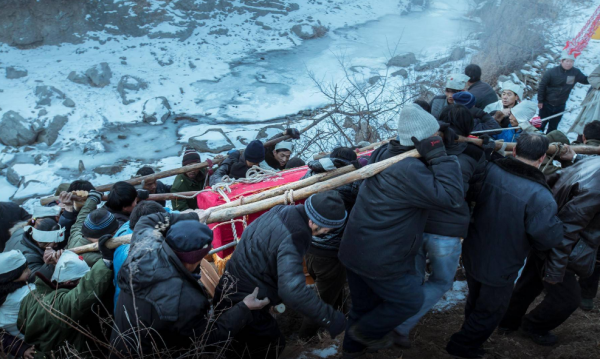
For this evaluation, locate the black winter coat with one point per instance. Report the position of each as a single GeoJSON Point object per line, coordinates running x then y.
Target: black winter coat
{"type": "Point", "coordinates": [484, 94]}
{"type": "Point", "coordinates": [514, 212]}
{"type": "Point", "coordinates": [437, 104]}
{"type": "Point", "coordinates": [557, 83]}
{"type": "Point", "coordinates": [233, 166]}
{"type": "Point", "coordinates": [168, 298]}
{"type": "Point", "coordinates": [10, 214]}
{"type": "Point", "coordinates": [482, 120]}
{"type": "Point", "coordinates": [269, 256]}
{"type": "Point", "coordinates": [385, 229]}
{"type": "Point", "coordinates": [577, 192]}
{"type": "Point", "coordinates": [454, 222]}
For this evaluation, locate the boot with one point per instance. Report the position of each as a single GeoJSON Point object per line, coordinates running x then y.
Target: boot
{"type": "Point", "coordinates": [587, 304]}
{"type": "Point", "coordinates": [371, 344]}
{"type": "Point", "coordinates": [541, 338]}
{"type": "Point", "coordinates": [402, 341]}
{"type": "Point", "coordinates": [460, 351]}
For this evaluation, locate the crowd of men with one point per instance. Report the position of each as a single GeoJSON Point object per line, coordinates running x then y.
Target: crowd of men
{"type": "Point", "coordinates": [521, 222]}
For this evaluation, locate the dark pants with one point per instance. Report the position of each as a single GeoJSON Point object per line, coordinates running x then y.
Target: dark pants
{"type": "Point", "coordinates": [589, 285]}
{"type": "Point", "coordinates": [378, 306]}
{"type": "Point", "coordinates": [484, 310]}
{"type": "Point", "coordinates": [330, 278]}
{"type": "Point", "coordinates": [561, 299]}
{"type": "Point", "coordinates": [547, 111]}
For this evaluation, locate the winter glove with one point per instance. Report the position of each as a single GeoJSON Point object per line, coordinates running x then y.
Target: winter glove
{"type": "Point", "coordinates": [95, 195]}
{"type": "Point", "coordinates": [107, 253]}
{"type": "Point", "coordinates": [142, 194]}
{"type": "Point", "coordinates": [293, 133]}
{"type": "Point", "coordinates": [536, 122]}
{"type": "Point", "coordinates": [488, 145]}
{"type": "Point", "coordinates": [430, 148]}
{"type": "Point", "coordinates": [329, 164]}
{"type": "Point", "coordinates": [338, 325]}
{"type": "Point", "coordinates": [448, 134]}
{"type": "Point", "coordinates": [363, 161]}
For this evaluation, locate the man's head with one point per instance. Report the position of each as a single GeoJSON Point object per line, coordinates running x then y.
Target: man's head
{"type": "Point", "coordinates": [282, 152]}
{"type": "Point", "coordinates": [460, 119]}
{"type": "Point", "coordinates": [413, 121]}
{"type": "Point", "coordinates": [531, 148]}
{"type": "Point", "coordinates": [13, 270]}
{"type": "Point", "coordinates": [511, 94]}
{"type": "Point", "coordinates": [80, 185]}
{"type": "Point", "coordinates": [46, 233]}
{"type": "Point", "coordinates": [454, 84]}
{"type": "Point", "coordinates": [345, 153]}
{"type": "Point", "coordinates": [591, 131]}
{"type": "Point", "coordinates": [567, 59]}
{"type": "Point", "coordinates": [122, 197]}
{"type": "Point", "coordinates": [522, 113]}
{"type": "Point", "coordinates": [254, 153]}
{"type": "Point", "coordinates": [295, 162]}
{"type": "Point", "coordinates": [325, 211]}
{"type": "Point", "coordinates": [98, 223]}
{"type": "Point", "coordinates": [191, 241]}
{"type": "Point", "coordinates": [190, 157]}
{"type": "Point", "coordinates": [474, 73]}
{"type": "Point", "coordinates": [69, 269]}
{"type": "Point", "coordinates": [464, 98]}
{"type": "Point", "coordinates": [144, 208]}
{"type": "Point", "coordinates": [424, 105]}
{"type": "Point", "coordinates": [148, 184]}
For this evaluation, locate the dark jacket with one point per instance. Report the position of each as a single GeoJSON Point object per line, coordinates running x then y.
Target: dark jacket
{"type": "Point", "coordinates": [67, 220]}
{"type": "Point", "coordinates": [46, 330]}
{"type": "Point", "coordinates": [33, 254]}
{"type": "Point", "coordinates": [437, 104]}
{"type": "Point", "coordinates": [484, 94]}
{"type": "Point", "coordinates": [454, 222]}
{"type": "Point", "coordinates": [121, 216]}
{"type": "Point", "coordinates": [557, 83]}
{"type": "Point", "coordinates": [270, 158]}
{"type": "Point", "coordinates": [76, 238]}
{"type": "Point", "coordinates": [514, 212]}
{"type": "Point", "coordinates": [483, 120]}
{"type": "Point", "coordinates": [10, 213]}
{"type": "Point", "coordinates": [12, 345]}
{"type": "Point", "coordinates": [385, 229]}
{"type": "Point", "coordinates": [233, 166]}
{"type": "Point", "coordinates": [269, 256]}
{"type": "Point", "coordinates": [166, 297]}
{"type": "Point", "coordinates": [183, 183]}
{"type": "Point", "coordinates": [577, 193]}
{"type": "Point", "coordinates": [162, 188]}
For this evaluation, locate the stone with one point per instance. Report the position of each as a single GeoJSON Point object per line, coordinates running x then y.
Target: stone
{"type": "Point", "coordinates": [156, 111]}
{"type": "Point", "coordinates": [78, 78]}
{"type": "Point", "coordinates": [42, 112]}
{"type": "Point", "coordinates": [212, 141]}
{"type": "Point", "coordinates": [458, 53]}
{"type": "Point", "coordinates": [243, 140]}
{"type": "Point", "coordinates": [81, 166]}
{"type": "Point", "coordinates": [40, 159]}
{"type": "Point", "coordinates": [49, 135]}
{"type": "Point", "coordinates": [129, 84]}
{"type": "Point", "coordinates": [269, 131]}
{"type": "Point", "coordinates": [307, 32]}
{"type": "Point", "coordinates": [99, 75]}
{"type": "Point", "coordinates": [16, 131]}
{"type": "Point", "coordinates": [401, 72]}
{"type": "Point", "coordinates": [108, 170]}
{"type": "Point", "coordinates": [15, 72]}
{"type": "Point", "coordinates": [68, 103]}
{"type": "Point", "coordinates": [373, 80]}
{"type": "Point", "coordinates": [13, 177]}
{"type": "Point", "coordinates": [404, 60]}
{"type": "Point", "coordinates": [6, 159]}
{"type": "Point", "coordinates": [45, 94]}
{"type": "Point", "coordinates": [93, 147]}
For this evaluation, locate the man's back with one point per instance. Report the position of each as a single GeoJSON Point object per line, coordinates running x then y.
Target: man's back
{"type": "Point", "coordinates": [484, 94]}
{"type": "Point", "coordinates": [514, 212]}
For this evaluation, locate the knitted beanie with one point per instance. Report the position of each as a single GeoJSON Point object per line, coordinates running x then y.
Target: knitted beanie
{"type": "Point", "coordinates": [326, 209]}
{"type": "Point", "coordinates": [99, 223]}
{"type": "Point", "coordinates": [255, 152]}
{"type": "Point", "coordinates": [464, 98]}
{"type": "Point", "coordinates": [190, 240]}
{"type": "Point", "coordinates": [415, 122]}
{"type": "Point", "coordinates": [190, 156]}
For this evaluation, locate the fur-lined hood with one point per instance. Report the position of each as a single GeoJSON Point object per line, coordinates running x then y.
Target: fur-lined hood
{"type": "Point", "coordinates": [521, 169]}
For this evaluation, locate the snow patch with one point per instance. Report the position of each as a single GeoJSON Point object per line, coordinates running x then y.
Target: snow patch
{"type": "Point", "coordinates": [453, 297]}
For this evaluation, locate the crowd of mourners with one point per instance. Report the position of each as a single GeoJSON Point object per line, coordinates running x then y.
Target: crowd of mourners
{"type": "Point", "coordinates": [517, 223]}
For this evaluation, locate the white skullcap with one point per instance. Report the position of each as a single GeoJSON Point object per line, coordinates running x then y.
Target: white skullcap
{"type": "Point", "coordinates": [11, 260]}
{"type": "Point", "coordinates": [42, 211]}
{"type": "Point", "coordinates": [69, 267]}
{"type": "Point", "coordinates": [524, 111]}
{"type": "Point", "coordinates": [283, 145]}
{"type": "Point", "coordinates": [511, 86]}
{"type": "Point", "coordinates": [457, 82]}
{"type": "Point", "coordinates": [56, 236]}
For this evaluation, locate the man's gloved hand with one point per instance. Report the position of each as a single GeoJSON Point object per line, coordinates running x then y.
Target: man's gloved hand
{"type": "Point", "coordinates": [95, 195]}
{"type": "Point", "coordinates": [488, 145]}
{"type": "Point", "coordinates": [338, 325]}
{"type": "Point", "coordinates": [107, 253]}
{"type": "Point", "coordinates": [293, 133]}
{"type": "Point", "coordinates": [142, 194]}
{"type": "Point", "coordinates": [430, 148]}
{"type": "Point", "coordinates": [448, 134]}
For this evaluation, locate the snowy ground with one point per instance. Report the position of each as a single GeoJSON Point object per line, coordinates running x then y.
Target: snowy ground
{"type": "Point", "coordinates": [231, 82]}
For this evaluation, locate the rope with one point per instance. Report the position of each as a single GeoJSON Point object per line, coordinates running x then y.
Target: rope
{"type": "Point", "coordinates": [190, 196]}
{"type": "Point", "coordinates": [288, 197]}
{"type": "Point", "coordinates": [559, 147]}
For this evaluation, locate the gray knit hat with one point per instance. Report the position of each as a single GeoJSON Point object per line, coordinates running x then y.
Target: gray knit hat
{"type": "Point", "coordinates": [415, 122]}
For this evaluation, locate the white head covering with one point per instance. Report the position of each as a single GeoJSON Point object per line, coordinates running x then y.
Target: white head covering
{"type": "Point", "coordinates": [11, 260]}
{"type": "Point", "coordinates": [457, 82]}
{"type": "Point", "coordinates": [283, 145]}
{"type": "Point", "coordinates": [69, 267]}
{"type": "Point", "coordinates": [42, 211]}
{"type": "Point", "coordinates": [524, 111]}
{"type": "Point", "coordinates": [564, 55]}
{"type": "Point", "coordinates": [511, 86]}
{"type": "Point", "coordinates": [56, 236]}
